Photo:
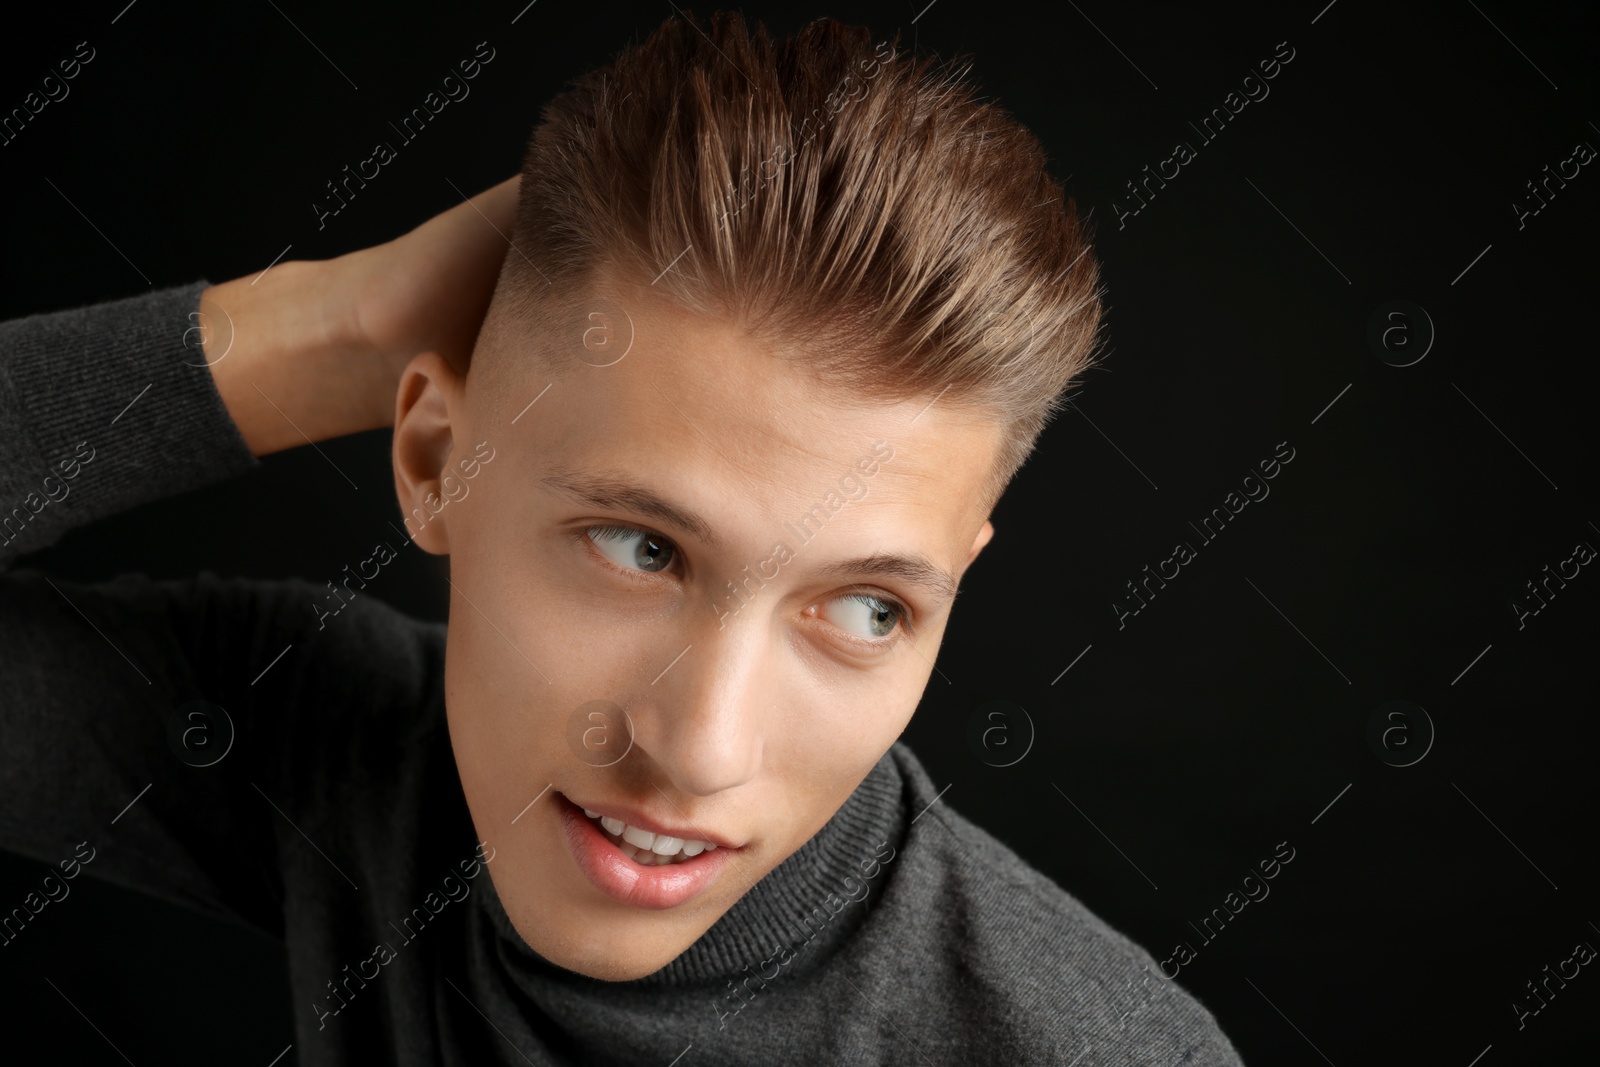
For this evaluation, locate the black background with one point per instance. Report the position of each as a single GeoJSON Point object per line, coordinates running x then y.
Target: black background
{"type": "Point", "coordinates": [1230, 714]}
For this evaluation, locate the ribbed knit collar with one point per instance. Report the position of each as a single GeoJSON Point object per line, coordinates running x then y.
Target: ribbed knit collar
{"type": "Point", "coordinates": [771, 913]}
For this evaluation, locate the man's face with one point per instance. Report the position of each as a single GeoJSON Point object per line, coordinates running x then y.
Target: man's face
{"type": "Point", "coordinates": [598, 656]}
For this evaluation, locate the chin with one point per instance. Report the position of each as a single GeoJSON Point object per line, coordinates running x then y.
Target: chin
{"type": "Point", "coordinates": [606, 958]}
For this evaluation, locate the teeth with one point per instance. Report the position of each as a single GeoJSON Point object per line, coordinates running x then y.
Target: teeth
{"type": "Point", "coordinates": [648, 848]}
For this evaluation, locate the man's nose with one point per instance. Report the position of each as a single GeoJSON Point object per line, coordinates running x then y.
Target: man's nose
{"type": "Point", "coordinates": [703, 719]}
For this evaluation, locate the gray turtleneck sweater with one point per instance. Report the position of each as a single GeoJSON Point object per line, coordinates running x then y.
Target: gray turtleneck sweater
{"type": "Point", "coordinates": [334, 818]}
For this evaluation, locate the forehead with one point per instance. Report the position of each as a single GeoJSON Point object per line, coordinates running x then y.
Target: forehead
{"type": "Point", "coordinates": [706, 414]}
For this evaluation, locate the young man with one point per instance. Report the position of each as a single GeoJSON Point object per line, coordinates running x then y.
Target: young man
{"type": "Point", "coordinates": [777, 325]}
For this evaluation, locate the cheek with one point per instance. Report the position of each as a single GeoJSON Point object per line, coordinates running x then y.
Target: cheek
{"type": "Point", "coordinates": [833, 738]}
{"type": "Point", "coordinates": [537, 642]}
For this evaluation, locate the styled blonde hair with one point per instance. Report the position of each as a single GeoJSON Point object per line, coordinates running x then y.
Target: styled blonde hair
{"type": "Point", "coordinates": [854, 204]}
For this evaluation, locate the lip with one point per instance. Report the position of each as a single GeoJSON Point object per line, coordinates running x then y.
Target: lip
{"type": "Point", "coordinates": [645, 822]}
{"type": "Point", "coordinates": [618, 877]}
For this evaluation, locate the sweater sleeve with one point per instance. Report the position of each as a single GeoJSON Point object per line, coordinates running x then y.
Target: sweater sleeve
{"type": "Point", "coordinates": [103, 408]}
{"type": "Point", "coordinates": [132, 744]}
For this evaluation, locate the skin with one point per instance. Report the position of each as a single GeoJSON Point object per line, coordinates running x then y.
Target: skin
{"type": "Point", "coordinates": [766, 724]}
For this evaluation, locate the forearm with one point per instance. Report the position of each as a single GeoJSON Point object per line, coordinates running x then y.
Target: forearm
{"type": "Point", "coordinates": [314, 349]}
{"type": "Point", "coordinates": [285, 357]}
{"type": "Point", "coordinates": [103, 408]}
{"type": "Point", "coordinates": [165, 400]}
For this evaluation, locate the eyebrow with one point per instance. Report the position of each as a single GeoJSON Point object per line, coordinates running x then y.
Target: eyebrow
{"type": "Point", "coordinates": [913, 569]}
{"type": "Point", "coordinates": [614, 493]}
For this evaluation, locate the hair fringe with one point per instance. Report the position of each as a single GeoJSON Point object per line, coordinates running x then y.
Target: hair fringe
{"type": "Point", "coordinates": [905, 242]}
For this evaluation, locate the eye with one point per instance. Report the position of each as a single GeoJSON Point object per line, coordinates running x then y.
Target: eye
{"type": "Point", "coordinates": [869, 618]}
{"type": "Point", "coordinates": [633, 549]}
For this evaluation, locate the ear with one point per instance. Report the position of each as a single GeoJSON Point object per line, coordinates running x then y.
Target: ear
{"type": "Point", "coordinates": [430, 397]}
{"type": "Point", "coordinates": [983, 538]}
